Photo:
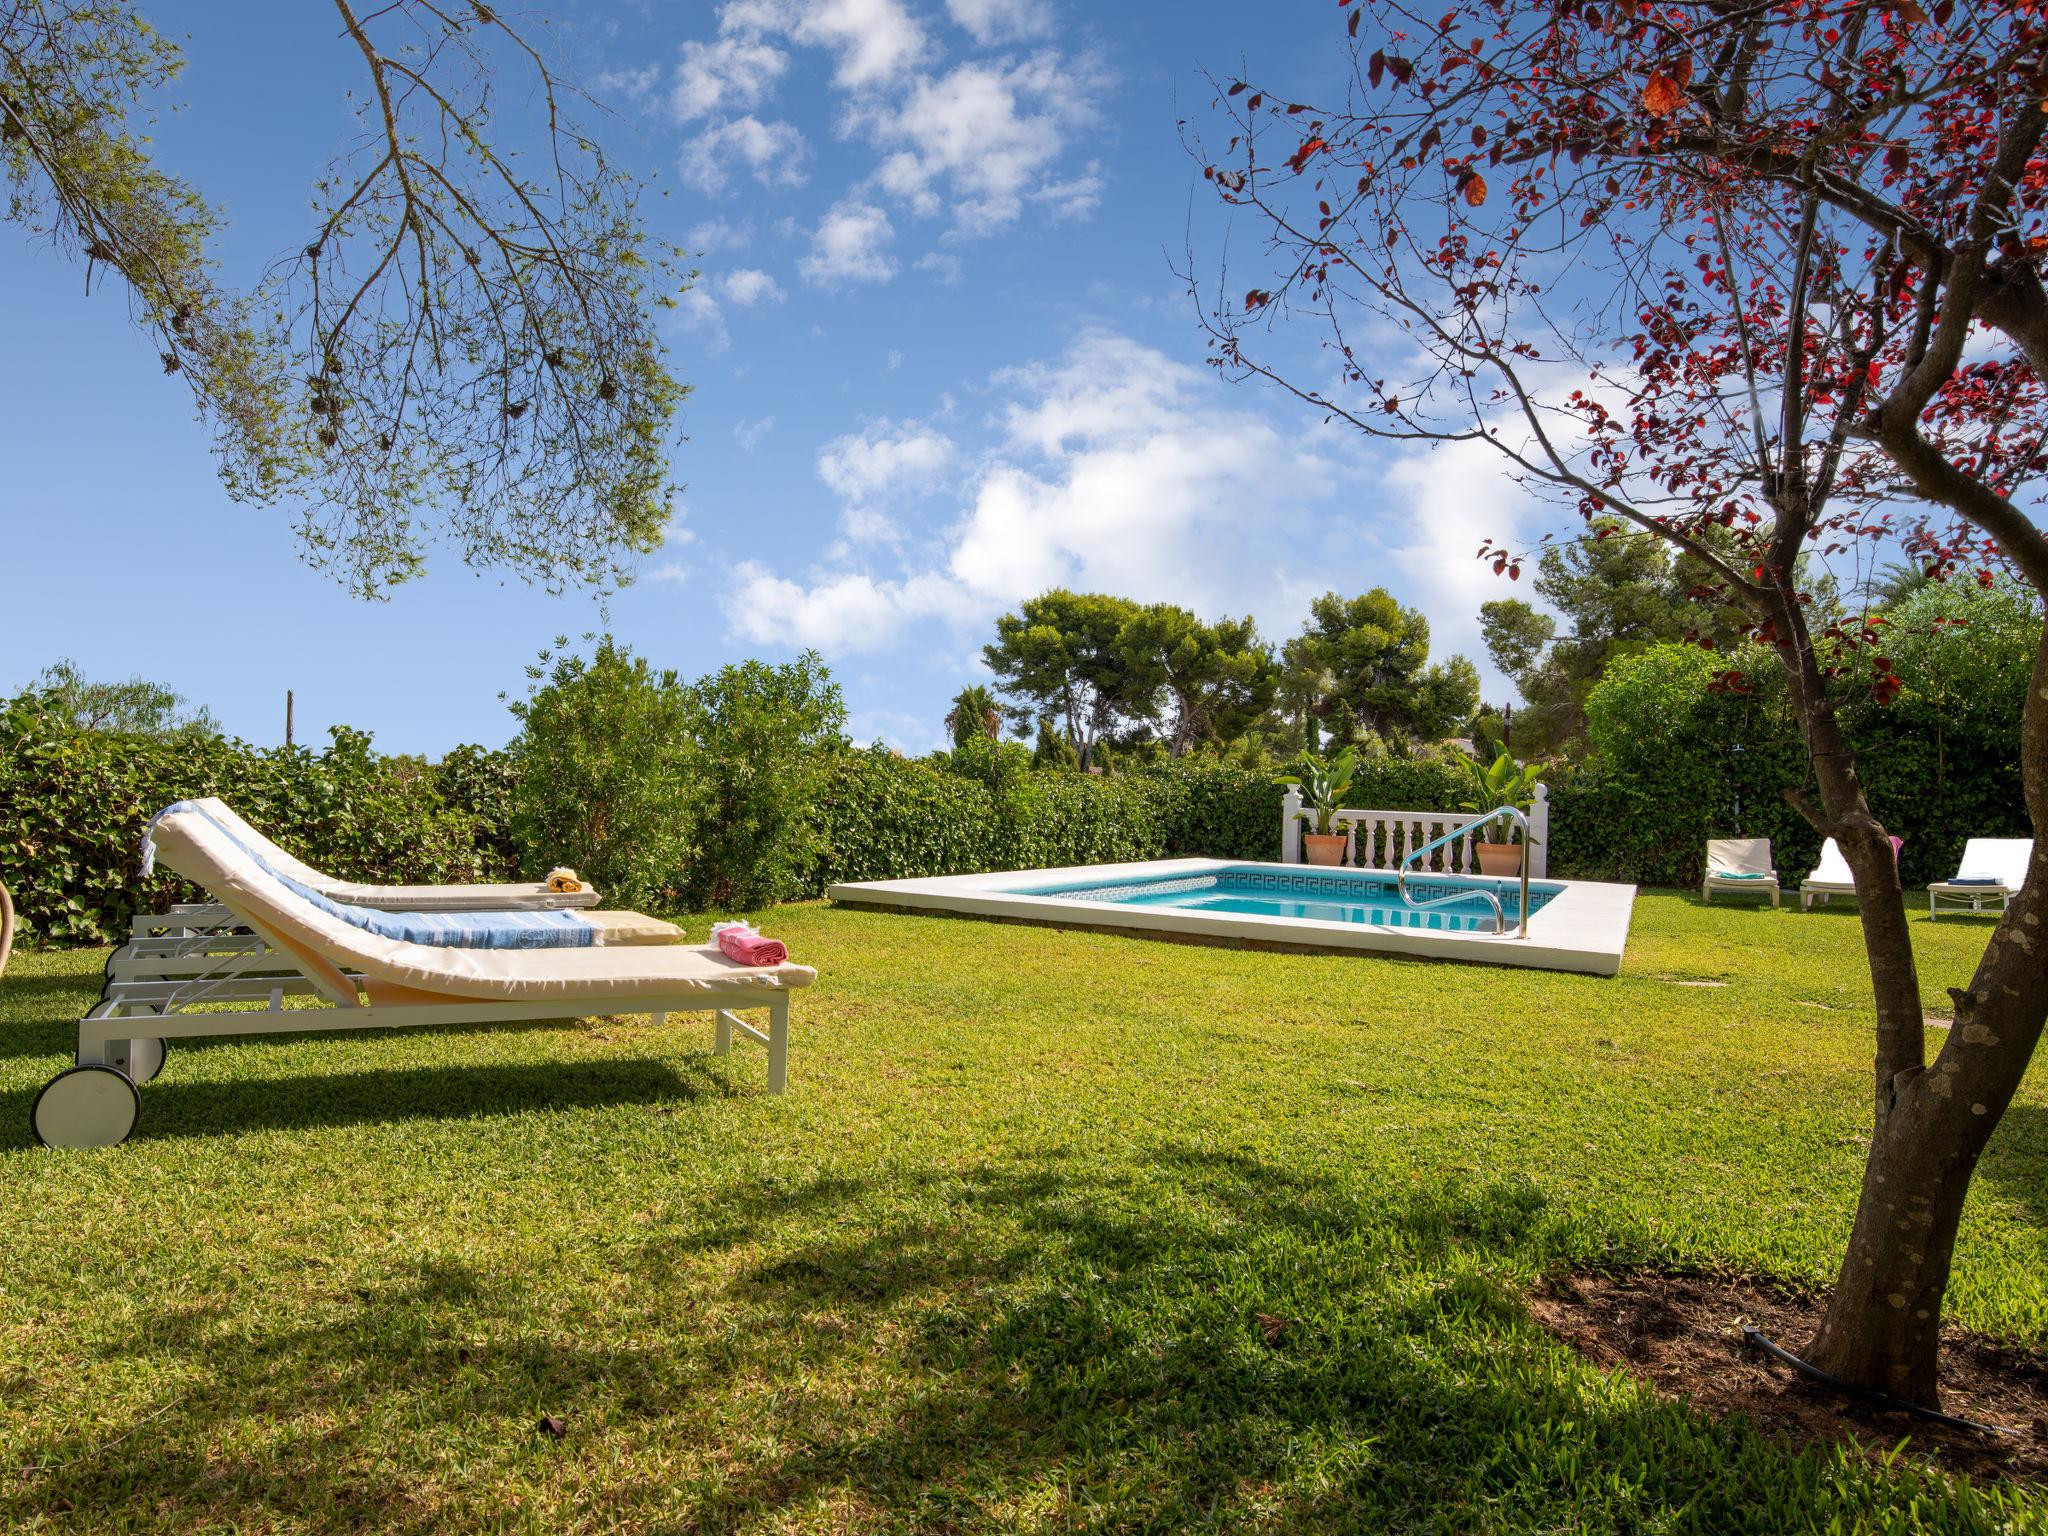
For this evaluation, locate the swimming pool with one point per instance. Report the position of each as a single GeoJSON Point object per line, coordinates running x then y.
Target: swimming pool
{"type": "Point", "coordinates": [1367, 896]}
{"type": "Point", "coordinates": [1574, 925]}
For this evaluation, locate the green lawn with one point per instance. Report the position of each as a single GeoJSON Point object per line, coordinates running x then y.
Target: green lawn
{"type": "Point", "coordinates": [996, 1262]}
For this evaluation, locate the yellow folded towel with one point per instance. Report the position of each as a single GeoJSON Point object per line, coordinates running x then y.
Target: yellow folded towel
{"type": "Point", "coordinates": [563, 881]}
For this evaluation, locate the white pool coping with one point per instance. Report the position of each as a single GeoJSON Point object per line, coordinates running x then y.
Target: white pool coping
{"type": "Point", "coordinates": [1583, 928]}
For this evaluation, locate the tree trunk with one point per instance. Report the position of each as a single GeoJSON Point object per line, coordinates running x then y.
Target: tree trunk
{"type": "Point", "coordinates": [1883, 1323]}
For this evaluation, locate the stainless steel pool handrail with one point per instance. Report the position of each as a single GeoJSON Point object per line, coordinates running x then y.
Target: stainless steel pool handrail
{"type": "Point", "coordinates": [1500, 917]}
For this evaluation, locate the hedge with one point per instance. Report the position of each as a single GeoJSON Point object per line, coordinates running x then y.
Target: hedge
{"type": "Point", "coordinates": [1678, 762]}
{"type": "Point", "coordinates": [892, 818]}
{"type": "Point", "coordinates": [73, 805]}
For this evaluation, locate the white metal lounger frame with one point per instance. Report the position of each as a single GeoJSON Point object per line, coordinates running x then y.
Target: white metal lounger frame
{"type": "Point", "coordinates": [106, 1034]}
{"type": "Point", "coordinates": [1966, 898]}
{"type": "Point", "coordinates": [182, 983]}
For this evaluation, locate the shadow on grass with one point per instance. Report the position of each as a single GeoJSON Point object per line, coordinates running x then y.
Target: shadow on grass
{"type": "Point", "coordinates": [1192, 1339]}
{"type": "Point", "coordinates": [175, 1109]}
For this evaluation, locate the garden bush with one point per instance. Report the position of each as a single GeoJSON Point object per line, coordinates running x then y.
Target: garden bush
{"type": "Point", "coordinates": [1677, 760]}
{"type": "Point", "coordinates": [73, 804]}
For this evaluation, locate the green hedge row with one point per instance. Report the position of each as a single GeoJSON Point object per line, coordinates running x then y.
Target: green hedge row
{"type": "Point", "coordinates": [891, 818]}
{"type": "Point", "coordinates": [73, 805]}
{"type": "Point", "coordinates": [1679, 762]}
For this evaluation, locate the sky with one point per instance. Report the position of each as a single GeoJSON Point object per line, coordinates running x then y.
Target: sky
{"type": "Point", "coordinates": [939, 356]}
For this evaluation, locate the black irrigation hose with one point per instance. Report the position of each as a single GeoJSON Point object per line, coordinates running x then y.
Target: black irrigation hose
{"type": "Point", "coordinates": [1868, 1394]}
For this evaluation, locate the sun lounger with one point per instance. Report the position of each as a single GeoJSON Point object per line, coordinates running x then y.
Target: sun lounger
{"type": "Point", "coordinates": [1833, 877]}
{"type": "Point", "coordinates": [1993, 869]}
{"type": "Point", "coordinates": [206, 938]}
{"type": "Point", "coordinates": [1740, 864]}
{"type": "Point", "coordinates": [377, 982]}
{"type": "Point", "coordinates": [494, 897]}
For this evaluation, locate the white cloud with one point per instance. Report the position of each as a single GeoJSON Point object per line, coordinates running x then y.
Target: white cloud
{"type": "Point", "coordinates": [748, 286]}
{"type": "Point", "coordinates": [635, 85]}
{"type": "Point", "coordinates": [983, 137]}
{"type": "Point", "coordinates": [894, 360]}
{"type": "Point", "coordinates": [748, 434]}
{"type": "Point", "coordinates": [849, 246]}
{"type": "Point", "coordinates": [1116, 468]}
{"type": "Point", "coordinates": [716, 235]}
{"type": "Point", "coordinates": [1001, 21]}
{"type": "Point", "coordinates": [731, 74]}
{"type": "Point", "coordinates": [773, 152]}
{"type": "Point", "coordinates": [846, 610]}
{"type": "Point", "coordinates": [1456, 496]}
{"type": "Point", "coordinates": [674, 573]}
{"type": "Point", "coordinates": [875, 41]}
{"type": "Point", "coordinates": [702, 316]}
{"type": "Point", "coordinates": [884, 458]}
{"type": "Point", "coordinates": [943, 265]}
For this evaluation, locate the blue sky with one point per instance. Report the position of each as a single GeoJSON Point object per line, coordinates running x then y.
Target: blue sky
{"type": "Point", "coordinates": [940, 362]}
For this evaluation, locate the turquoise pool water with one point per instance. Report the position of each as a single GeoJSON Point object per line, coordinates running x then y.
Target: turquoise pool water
{"type": "Point", "coordinates": [1362, 896]}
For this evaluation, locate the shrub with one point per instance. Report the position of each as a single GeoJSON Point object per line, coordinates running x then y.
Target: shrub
{"type": "Point", "coordinates": [1677, 761]}
{"type": "Point", "coordinates": [759, 738]}
{"type": "Point", "coordinates": [602, 776]}
{"type": "Point", "coordinates": [73, 804]}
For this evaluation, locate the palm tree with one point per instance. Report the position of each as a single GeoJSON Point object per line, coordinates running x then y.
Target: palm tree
{"type": "Point", "coordinates": [974, 713]}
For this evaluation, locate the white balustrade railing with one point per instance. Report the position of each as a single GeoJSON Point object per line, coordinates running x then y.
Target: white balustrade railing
{"type": "Point", "coordinates": [1382, 839]}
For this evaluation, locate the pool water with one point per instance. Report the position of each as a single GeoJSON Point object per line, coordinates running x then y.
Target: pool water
{"type": "Point", "coordinates": [1365, 897]}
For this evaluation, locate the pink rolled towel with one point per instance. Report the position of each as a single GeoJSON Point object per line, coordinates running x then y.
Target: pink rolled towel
{"type": "Point", "coordinates": [749, 948]}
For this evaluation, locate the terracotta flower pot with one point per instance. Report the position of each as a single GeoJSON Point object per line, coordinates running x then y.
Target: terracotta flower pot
{"type": "Point", "coordinates": [1499, 858]}
{"type": "Point", "coordinates": [1323, 847]}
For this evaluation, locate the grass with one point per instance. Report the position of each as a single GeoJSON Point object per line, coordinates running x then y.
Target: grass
{"type": "Point", "coordinates": [1005, 1258]}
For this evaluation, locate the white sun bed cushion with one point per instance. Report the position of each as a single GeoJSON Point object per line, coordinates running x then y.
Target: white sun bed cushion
{"type": "Point", "coordinates": [1834, 870]}
{"type": "Point", "coordinates": [1991, 864]}
{"type": "Point", "coordinates": [400, 898]}
{"type": "Point", "coordinates": [1740, 858]}
{"type": "Point", "coordinates": [593, 977]}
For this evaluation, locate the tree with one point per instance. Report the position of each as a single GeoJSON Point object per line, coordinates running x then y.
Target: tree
{"type": "Point", "coordinates": [1787, 223]}
{"type": "Point", "coordinates": [1059, 655]}
{"type": "Point", "coordinates": [1216, 680]}
{"type": "Point", "coordinates": [1516, 634]}
{"type": "Point", "coordinates": [975, 712]}
{"type": "Point", "coordinates": [462, 346]}
{"type": "Point", "coordinates": [1374, 654]}
{"type": "Point", "coordinates": [138, 705]}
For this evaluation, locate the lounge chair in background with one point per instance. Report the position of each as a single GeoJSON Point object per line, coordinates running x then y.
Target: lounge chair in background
{"type": "Point", "coordinates": [1832, 877]}
{"type": "Point", "coordinates": [376, 982]}
{"type": "Point", "coordinates": [1992, 869]}
{"type": "Point", "coordinates": [1740, 864]}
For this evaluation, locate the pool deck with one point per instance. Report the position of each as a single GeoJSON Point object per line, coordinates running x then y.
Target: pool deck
{"type": "Point", "coordinates": [1584, 927]}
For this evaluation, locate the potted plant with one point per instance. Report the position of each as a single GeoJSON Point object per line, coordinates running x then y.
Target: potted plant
{"type": "Point", "coordinates": [1323, 782]}
{"type": "Point", "coordinates": [1502, 783]}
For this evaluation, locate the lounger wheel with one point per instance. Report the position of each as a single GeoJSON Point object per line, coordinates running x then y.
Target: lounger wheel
{"type": "Point", "coordinates": [85, 1107]}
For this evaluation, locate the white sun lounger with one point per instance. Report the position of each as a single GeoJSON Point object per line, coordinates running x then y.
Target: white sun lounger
{"type": "Point", "coordinates": [1993, 869]}
{"type": "Point", "coordinates": [1740, 864]}
{"type": "Point", "coordinates": [376, 982]}
{"type": "Point", "coordinates": [1833, 877]}
{"type": "Point", "coordinates": [205, 938]}
{"type": "Point", "coordinates": [494, 897]}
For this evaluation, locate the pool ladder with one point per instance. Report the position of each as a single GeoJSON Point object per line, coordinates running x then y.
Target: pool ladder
{"type": "Point", "coordinates": [1500, 918]}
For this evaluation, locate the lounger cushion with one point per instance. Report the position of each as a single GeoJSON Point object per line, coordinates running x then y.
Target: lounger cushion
{"type": "Point", "coordinates": [633, 928]}
{"type": "Point", "coordinates": [579, 978]}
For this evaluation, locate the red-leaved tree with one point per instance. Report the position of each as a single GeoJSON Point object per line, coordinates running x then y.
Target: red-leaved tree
{"type": "Point", "coordinates": [1761, 278]}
